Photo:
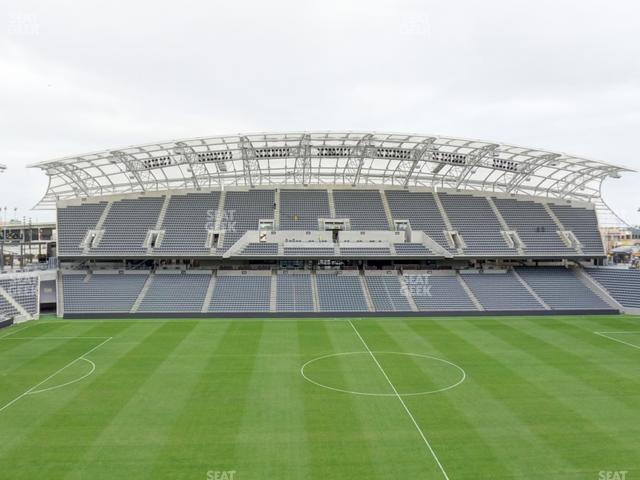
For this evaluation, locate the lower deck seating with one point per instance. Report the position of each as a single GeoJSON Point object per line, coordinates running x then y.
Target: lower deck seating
{"type": "Point", "coordinates": [341, 293]}
{"type": "Point", "coordinates": [501, 291]}
{"type": "Point", "coordinates": [622, 284]}
{"type": "Point", "coordinates": [242, 293]}
{"type": "Point", "coordinates": [295, 293]}
{"type": "Point", "coordinates": [6, 309]}
{"type": "Point", "coordinates": [24, 291]}
{"type": "Point", "coordinates": [102, 293]}
{"type": "Point", "coordinates": [387, 294]}
{"type": "Point", "coordinates": [561, 289]}
{"type": "Point", "coordinates": [175, 293]}
{"type": "Point", "coordinates": [434, 293]}
{"type": "Point", "coordinates": [557, 287]}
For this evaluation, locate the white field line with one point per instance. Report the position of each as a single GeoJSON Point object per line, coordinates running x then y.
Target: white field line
{"type": "Point", "coordinates": [35, 387]}
{"type": "Point", "coordinates": [404, 405]}
{"type": "Point", "coordinates": [607, 335]}
{"type": "Point", "coordinates": [75, 380]}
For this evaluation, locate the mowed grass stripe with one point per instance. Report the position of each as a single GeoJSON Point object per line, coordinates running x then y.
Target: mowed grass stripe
{"type": "Point", "coordinates": [503, 405]}
{"type": "Point", "coordinates": [575, 379]}
{"type": "Point", "coordinates": [500, 444]}
{"type": "Point", "coordinates": [30, 413]}
{"type": "Point", "coordinates": [399, 451]}
{"type": "Point", "coordinates": [586, 329]}
{"type": "Point", "coordinates": [540, 399]}
{"type": "Point", "coordinates": [38, 352]}
{"type": "Point", "coordinates": [33, 361]}
{"type": "Point", "coordinates": [134, 439]}
{"type": "Point", "coordinates": [561, 421]}
{"type": "Point", "coordinates": [204, 434]}
{"type": "Point", "coordinates": [15, 350]}
{"type": "Point", "coordinates": [70, 429]}
{"type": "Point", "coordinates": [442, 416]}
{"type": "Point", "coordinates": [272, 442]}
{"type": "Point", "coordinates": [579, 360]}
{"type": "Point", "coordinates": [339, 442]}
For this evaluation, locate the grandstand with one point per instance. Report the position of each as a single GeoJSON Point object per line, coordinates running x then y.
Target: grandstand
{"type": "Point", "coordinates": [310, 248]}
{"type": "Point", "coordinates": [329, 224]}
{"type": "Point", "coordinates": [19, 297]}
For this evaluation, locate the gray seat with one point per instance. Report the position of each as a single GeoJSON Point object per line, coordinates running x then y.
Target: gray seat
{"type": "Point", "coordinates": [387, 294]}
{"type": "Point", "coordinates": [340, 293]}
{"type": "Point", "coordinates": [622, 284]}
{"type": "Point", "coordinates": [295, 293]}
{"type": "Point", "coordinates": [101, 293]}
{"type": "Point", "coordinates": [561, 289]}
{"type": "Point", "coordinates": [176, 293]}
{"type": "Point", "coordinates": [501, 291]}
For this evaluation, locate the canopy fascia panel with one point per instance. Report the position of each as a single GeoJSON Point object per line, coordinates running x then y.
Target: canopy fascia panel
{"type": "Point", "coordinates": [326, 158]}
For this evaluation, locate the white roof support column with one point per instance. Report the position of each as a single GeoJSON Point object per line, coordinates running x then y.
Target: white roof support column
{"type": "Point", "coordinates": [249, 161]}
{"type": "Point", "coordinates": [419, 155]}
{"type": "Point", "coordinates": [361, 151]}
{"type": "Point", "coordinates": [371, 159]}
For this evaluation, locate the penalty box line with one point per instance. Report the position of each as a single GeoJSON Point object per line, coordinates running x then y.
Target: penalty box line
{"type": "Point", "coordinates": [33, 388]}
{"type": "Point", "coordinates": [608, 335]}
{"type": "Point", "coordinates": [404, 405]}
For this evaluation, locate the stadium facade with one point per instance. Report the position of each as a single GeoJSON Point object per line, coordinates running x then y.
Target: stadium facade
{"type": "Point", "coordinates": [328, 224]}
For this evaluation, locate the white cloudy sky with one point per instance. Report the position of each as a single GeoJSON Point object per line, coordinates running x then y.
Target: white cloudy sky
{"type": "Point", "coordinates": [77, 76]}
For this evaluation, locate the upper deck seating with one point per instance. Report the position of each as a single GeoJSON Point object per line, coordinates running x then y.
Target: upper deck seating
{"type": "Point", "coordinates": [583, 223]}
{"type": "Point", "coordinates": [127, 225]}
{"type": "Point", "coordinates": [474, 219]}
{"type": "Point", "coordinates": [363, 207]}
{"type": "Point", "coordinates": [243, 211]}
{"type": "Point", "coordinates": [535, 227]}
{"type": "Point", "coordinates": [73, 223]}
{"type": "Point", "coordinates": [186, 222]}
{"type": "Point", "coordinates": [421, 210]}
{"type": "Point", "coordinates": [301, 209]}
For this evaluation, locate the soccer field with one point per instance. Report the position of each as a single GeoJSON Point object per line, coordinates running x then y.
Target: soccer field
{"type": "Point", "coordinates": [385, 398]}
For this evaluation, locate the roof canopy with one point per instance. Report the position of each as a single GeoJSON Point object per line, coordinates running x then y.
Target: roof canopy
{"type": "Point", "coordinates": [331, 158]}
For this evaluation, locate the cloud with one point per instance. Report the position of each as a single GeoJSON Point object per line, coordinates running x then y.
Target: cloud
{"type": "Point", "coordinates": [83, 76]}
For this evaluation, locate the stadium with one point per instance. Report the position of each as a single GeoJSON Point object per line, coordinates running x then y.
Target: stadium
{"type": "Point", "coordinates": [324, 305]}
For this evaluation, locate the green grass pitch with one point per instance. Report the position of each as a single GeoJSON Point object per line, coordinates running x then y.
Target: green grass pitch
{"type": "Point", "coordinates": [383, 398]}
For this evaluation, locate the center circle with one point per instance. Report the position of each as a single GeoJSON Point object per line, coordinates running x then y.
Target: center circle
{"type": "Point", "coordinates": [374, 373]}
